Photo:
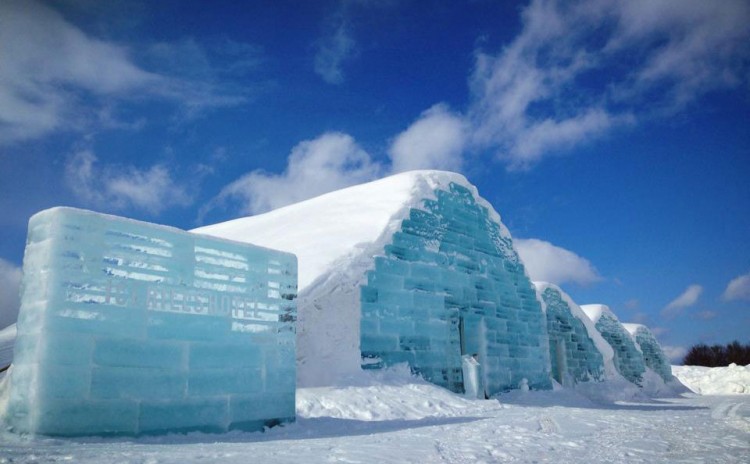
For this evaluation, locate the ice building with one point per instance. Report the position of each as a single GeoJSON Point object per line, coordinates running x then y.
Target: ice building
{"type": "Point", "coordinates": [414, 268]}
{"type": "Point", "coordinates": [131, 328]}
{"type": "Point", "coordinates": [627, 356]}
{"type": "Point", "coordinates": [653, 355]}
{"type": "Point", "coordinates": [578, 353]}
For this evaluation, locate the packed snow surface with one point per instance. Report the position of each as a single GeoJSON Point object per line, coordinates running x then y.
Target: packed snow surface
{"type": "Point", "coordinates": [393, 417]}
{"type": "Point", "coordinates": [729, 380]}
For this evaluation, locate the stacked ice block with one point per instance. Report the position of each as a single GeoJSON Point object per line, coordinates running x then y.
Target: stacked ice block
{"type": "Point", "coordinates": [451, 284]}
{"type": "Point", "coordinates": [131, 328]}
{"type": "Point", "coordinates": [653, 355]}
{"type": "Point", "coordinates": [573, 354]}
{"type": "Point", "coordinates": [628, 358]}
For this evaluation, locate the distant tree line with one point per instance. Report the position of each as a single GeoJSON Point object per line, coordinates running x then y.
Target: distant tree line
{"type": "Point", "coordinates": [718, 355]}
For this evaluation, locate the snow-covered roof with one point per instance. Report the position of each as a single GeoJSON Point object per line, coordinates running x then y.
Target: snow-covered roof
{"type": "Point", "coordinates": [633, 329]}
{"type": "Point", "coordinates": [336, 226]}
{"type": "Point", "coordinates": [596, 311]}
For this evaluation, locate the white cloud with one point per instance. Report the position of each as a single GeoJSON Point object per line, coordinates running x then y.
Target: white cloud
{"type": "Point", "coordinates": [738, 288]}
{"type": "Point", "coordinates": [530, 100]}
{"type": "Point", "coordinates": [42, 55]}
{"type": "Point", "coordinates": [119, 187]}
{"type": "Point", "coordinates": [332, 51]}
{"type": "Point", "coordinates": [10, 283]}
{"type": "Point", "coordinates": [686, 299]}
{"type": "Point", "coordinates": [55, 77]}
{"type": "Point", "coordinates": [330, 162]}
{"type": "Point", "coordinates": [675, 353]}
{"type": "Point", "coordinates": [434, 141]}
{"type": "Point", "coordinates": [549, 263]}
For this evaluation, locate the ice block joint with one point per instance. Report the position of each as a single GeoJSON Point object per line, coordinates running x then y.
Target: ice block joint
{"type": "Point", "coordinates": [129, 328]}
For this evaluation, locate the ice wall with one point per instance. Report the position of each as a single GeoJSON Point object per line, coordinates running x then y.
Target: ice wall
{"type": "Point", "coordinates": [574, 356]}
{"type": "Point", "coordinates": [131, 328]}
{"type": "Point", "coordinates": [653, 355]}
{"type": "Point", "coordinates": [449, 284]}
{"type": "Point", "coordinates": [628, 357]}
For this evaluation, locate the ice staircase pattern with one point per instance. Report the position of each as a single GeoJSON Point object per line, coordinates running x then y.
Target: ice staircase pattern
{"type": "Point", "coordinates": [628, 358]}
{"type": "Point", "coordinates": [653, 355]}
{"type": "Point", "coordinates": [450, 284]}
{"type": "Point", "coordinates": [573, 355]}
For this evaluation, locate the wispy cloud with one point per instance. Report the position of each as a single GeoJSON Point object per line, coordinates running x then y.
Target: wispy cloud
{"type": "Point", "coordinates": [675, 353]}
{"type": "Point", "coordinates": [549, 263]}
{"type": "Point", "coordinates": [686, 299]}
{"type": "Point", "coordinates": [435, 140]}
{"type": "Point", "coordinates": [120, 187]}
{"type": "Point", "coordinates": [332, 50]}
{"type": "Point", "coordinates": [539, 95]}
{"type": "Point", "coordinates": [10, 282]}
{"type": "Point", "coordinates": [55, 77]}
{"type": "Point", "coordinates": [331, 161]}
{"type": "Point", "coordinates": [738, 288]}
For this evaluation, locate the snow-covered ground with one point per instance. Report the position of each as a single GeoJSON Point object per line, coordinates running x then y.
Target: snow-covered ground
{"type": "Point", "coordinates": [730, 380]}
{"type": "Point", "coordinates": [393, 417]}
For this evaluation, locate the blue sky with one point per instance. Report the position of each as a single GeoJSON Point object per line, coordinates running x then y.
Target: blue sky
{"type": "Point", "coordinates": [612, 137]}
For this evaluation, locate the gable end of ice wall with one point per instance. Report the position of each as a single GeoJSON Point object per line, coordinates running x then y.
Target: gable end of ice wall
{"type": "Point", "coordinates": [628, 357]}
{"type": "Point", "coordinates": [653, 355]}
{"type": "Point", "coordinates": [129, 328]}
{"type": "Point", "coordinates": [574, 356]}
{"type": "Point", "coordinates": [448, 284]}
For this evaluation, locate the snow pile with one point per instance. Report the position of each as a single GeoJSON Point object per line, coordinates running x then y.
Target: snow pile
{"type": "Point", "coordinates": [7, 340]}
{"type": "Point", "coordinates": [387, 395]}
{"type": "Point", "coordinates": [729, 380]}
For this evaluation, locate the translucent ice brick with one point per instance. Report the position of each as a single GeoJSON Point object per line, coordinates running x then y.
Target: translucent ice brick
{"type": "Point", "coordinates": [574, 356]}
{"type": "Point", "coordinates": [653, 355]}
{"type": "Point", "coordinates": [628, 358]}
{"type": "Point", "coordinates": [449, 285]}
{"type": "Point", "coordinates": [130, 328]}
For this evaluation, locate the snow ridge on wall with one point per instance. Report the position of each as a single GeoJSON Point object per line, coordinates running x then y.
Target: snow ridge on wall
{"type": "Point", "coordinates": [628, 357]}
{"type": "Point", "coordinates": [574, 355]}
{"type": "Point", "coordinates": [653, 355]}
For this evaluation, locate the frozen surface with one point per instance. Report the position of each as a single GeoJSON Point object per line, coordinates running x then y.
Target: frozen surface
{"type": "Point", "coordinates": [729, 380]}
{"type": "Point", "coordinates": [653, 355]}
{"type": "Point", "coordinates": [574, 355]}
{"type": "Point", "coordinates": [392, 418]}
{"type": "Point", "coordinates": [628, 357]}
{"type": "Point", "coordinates": [131, 328]}
{"type": "Point", "coordinates": [336, 237]}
